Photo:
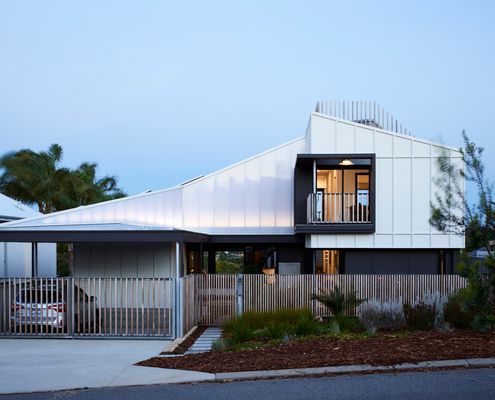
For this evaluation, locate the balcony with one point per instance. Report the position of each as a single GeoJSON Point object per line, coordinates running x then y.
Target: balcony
{"type": "Point", "coordinates": [334, 194]}
{"type": "Point", "coordinates": [338, 208]}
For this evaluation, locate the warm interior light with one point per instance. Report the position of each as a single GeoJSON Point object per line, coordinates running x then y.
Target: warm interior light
{"type": "Point", "coordinates": [346, 161]}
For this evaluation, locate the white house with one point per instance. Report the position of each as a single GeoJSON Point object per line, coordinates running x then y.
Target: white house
{"type": "Point", "coordinates": [17, 260]}
{"type": "Point", "coordinates": [352, 195]}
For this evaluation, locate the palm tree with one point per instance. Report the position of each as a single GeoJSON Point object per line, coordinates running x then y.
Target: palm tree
{"type": "Point", "coordinates": [35, 178]}
{"type": "Point", "coordinates": [83, 187]}
{"type": "Point", "coordinates": [338, 301]}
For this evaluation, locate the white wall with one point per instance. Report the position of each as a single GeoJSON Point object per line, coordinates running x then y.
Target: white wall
{"type": "Point", "coordinates": [16, 260]}
{"type": "Point", "coordinates": [124, 260]}
{"type": "Point", "coordinates": [405, 184]}
{"type": "Point", "coordinates": [254, 196]}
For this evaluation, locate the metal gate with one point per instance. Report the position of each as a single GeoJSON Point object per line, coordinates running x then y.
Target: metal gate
{"type": "Point", "coordinates": [88, 307]}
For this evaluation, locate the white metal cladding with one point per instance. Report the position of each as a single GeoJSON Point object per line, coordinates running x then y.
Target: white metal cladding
{"type": "Point", "coordinates": [254, 196]}
{"type": "Point", "coordinates": [17, 261]}
{"type": "Point", "coordinates": [405, 184]}
{"type": "Point", "coordinates": [115, 260]}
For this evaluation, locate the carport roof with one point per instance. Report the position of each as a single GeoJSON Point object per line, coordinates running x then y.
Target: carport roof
{"type": "Point", "coordinates": [97, 232]}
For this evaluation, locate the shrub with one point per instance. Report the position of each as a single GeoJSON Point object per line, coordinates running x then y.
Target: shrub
{"type": "Point", "coordinates": [219, 345]}
{"type": "Point", "coordinates": [483, 322]}
{"type": "Point", "coordinates": [275, 330]}
{"type": "Point", "coordinates": [456, 314]}
{"type": "Point", "coordinates": [348, 323]}
{"type": "Point", "coordinates": [270, 325]}
{"type": "Point", "coordinates": [330, 328]}
{"type": "Point", "coordinates": [375, 315]}
{"type": "Point", "coordinates": [337, 301]}
{"type": "Point", "coordinates": [420, 316]}
{"type": "Point", "coordinates": [305, 326]}
{"type": "Point", "coordinates": [240, 331]}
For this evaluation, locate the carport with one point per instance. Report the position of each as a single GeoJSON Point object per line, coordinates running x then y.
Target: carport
{"type": "Point", "coordinates": [126, 282]}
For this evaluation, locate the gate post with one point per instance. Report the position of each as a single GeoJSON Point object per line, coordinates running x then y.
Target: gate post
{"type": "Point", "coordinates": [179, 307]}
{"type": "Point", "coordinates": [70, 306]}
{"type": "Point", "coordinates": [239, 294]}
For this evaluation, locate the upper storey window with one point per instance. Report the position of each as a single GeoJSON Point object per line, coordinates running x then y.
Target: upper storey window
{"type": "Point", "coordinates": [334, 193]}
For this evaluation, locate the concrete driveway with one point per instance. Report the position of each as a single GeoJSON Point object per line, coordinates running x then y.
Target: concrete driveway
{"type": "Point", "coordinates": [32, 365]}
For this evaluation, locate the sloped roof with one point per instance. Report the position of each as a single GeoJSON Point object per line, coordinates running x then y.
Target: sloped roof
{"type": "Point", "coordinates": [11, 209]}
{"type": "Point", "coordinates": [254, 196]}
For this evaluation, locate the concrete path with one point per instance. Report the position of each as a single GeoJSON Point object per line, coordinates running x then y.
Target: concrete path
{"type": "Point", "coordinates": [32, 365]}
{"type": "Point", "coordinates": [37, 365]}
{"type": "Point", "coordinates": [205, 342]}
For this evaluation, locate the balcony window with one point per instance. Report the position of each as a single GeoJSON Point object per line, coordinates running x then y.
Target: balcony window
{"type": "Point", "coordinates": [339, 196]}
{"type": "Point", "coordinates": [342, 194]}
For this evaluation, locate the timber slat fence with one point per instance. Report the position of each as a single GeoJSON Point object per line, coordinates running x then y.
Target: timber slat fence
{"type": "Point", "coordinates": [170, 307]}
{"type": "Point", "coordinates": [217, 300]}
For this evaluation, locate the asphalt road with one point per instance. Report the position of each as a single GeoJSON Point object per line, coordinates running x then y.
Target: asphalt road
{"type": "Point", "coordinates": [474, 384]}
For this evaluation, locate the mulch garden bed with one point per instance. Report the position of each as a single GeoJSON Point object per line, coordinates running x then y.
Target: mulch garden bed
{"type": "Point", "coordinates": [383, 349]}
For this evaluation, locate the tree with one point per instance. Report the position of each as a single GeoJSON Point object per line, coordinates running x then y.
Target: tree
{"type": "Point", "coordinates": [35, 178]}
{"type": "Point", "coordinates": [338, 301]}
{"type": "Point", "coordinates": [453, 213]}
{"type": "Point", "coordinates": [83, 187]}
{"type": "Point", "coordinates": [38, 178]}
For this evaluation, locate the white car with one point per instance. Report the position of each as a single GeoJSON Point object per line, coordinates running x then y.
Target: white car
{"type": "Point", "coordinates": [43, 309]}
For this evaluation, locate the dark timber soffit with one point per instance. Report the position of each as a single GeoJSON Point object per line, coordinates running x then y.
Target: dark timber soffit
{"type": "Point", "coordinates": [72, 236]}
{"type": "Point", "coordinates": [335, 228]}
{"type": "Point", "coordinates": [308, 158]}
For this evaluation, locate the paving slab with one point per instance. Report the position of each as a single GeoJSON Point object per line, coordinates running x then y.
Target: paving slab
{"type": "Point", "coordinates": [33, 365]}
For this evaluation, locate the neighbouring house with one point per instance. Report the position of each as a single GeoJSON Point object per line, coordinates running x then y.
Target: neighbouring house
{"type": "Point", "coordinates": [17, 258]}
{"type": "Point", "coordinates": [351, 196]}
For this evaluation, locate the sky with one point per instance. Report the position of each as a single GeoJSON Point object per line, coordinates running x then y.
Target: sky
{"type": "Point", "coordinates": [160, 92]}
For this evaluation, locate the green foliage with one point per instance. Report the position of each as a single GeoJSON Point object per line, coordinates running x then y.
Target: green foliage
{"type": "Point", "coordinates": [219, 345]}
{"type": "Point", "coordinates": [305, 326]}
{"type": "Point", "coordinates": [275, 330]}
{"type": "Point", "coordinates": [63, 259]}
{"type": "Point", "coordinates": [270, 326]}
{"type": "Point", "coordinates": [455, 314]}
{"type": "Point", "coordinates": [228, 267]}
{"type": "Point", "coordinates": [36, 178]}
{"type": "Point", "coordinates": [420, 316]}
{"type": "Point", "coordinates": [483, 322]}
{"type": "Point", "coordinates": [337, 301]}
{"type": "Point", "coordinates": [229, 262]}
{"type": "Point", "coordinates": [240, 331]}
{"type": "Point", "coordinates": [348, 324]}
{"type": "Point", "coordinates": [452, 213]}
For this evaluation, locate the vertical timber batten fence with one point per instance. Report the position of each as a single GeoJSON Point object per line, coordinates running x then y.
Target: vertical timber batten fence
{"type": "Point", "coordinates": [218, 297]}
{"type": "Point", "coordinates": [170, 307]}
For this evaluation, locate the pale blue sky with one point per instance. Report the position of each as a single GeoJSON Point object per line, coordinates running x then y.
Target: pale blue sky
{"type": "Point", "coordinates": [159, 92]}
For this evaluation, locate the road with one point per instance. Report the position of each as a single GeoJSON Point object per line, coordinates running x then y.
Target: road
{"type": "Point", "coordinates": [475, 384]}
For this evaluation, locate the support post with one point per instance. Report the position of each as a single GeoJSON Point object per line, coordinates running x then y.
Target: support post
{"type": "Point", "coordinates": [70, 306]}
{"type": "Point", "coordinates": [34, 260]}
{"type": "Point", "coordinates": [239, 294]}
{"type": "Point", "coordinates": [178, 303]}
{"type": "Point", "coordinates": [5, 264]}
{"type": "Point", "coordinates": [211, 261]}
